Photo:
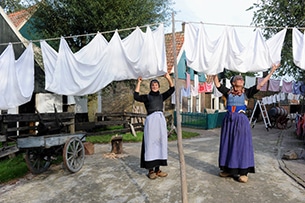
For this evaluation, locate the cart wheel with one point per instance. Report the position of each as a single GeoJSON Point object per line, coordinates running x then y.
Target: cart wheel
{"type": "Point", "coordinates": [74, 154]}
{"type": "Point", "coordinates": [37, 160]}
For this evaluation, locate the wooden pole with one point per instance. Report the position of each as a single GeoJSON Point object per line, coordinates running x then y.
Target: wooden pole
{"type": "Point", "coordinates": [178, 117]}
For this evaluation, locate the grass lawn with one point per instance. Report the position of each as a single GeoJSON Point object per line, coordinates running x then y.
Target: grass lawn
{"type": "Point", "coordinates": [128, 137]}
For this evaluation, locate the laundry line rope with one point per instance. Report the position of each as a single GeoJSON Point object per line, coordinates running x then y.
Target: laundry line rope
{"type": "Point", "coordinates": [132, 28]}
{"type": "Point", "coordinates": [81, 35]}
{"type": "Point", "coordinates": [245, 26]}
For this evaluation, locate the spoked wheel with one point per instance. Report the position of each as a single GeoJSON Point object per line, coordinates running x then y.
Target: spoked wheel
{"type": "Point", "coordinates": [74, 154]}
{"type": "Point", "coordinates": [37, 160]}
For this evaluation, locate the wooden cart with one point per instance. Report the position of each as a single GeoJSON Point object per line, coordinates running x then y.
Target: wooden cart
{"type": "Point", "coordinates": [41, 150]}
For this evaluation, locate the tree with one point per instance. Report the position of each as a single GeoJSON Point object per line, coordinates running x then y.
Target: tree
{"type": "Point", "coordinates": [71, 17]}
{"type": "Point", "coordinates": [10, 6]}
{"type": "Point", "coordinates": [274, 15]}
{"type": "Point", "coordinates": [81, 18]}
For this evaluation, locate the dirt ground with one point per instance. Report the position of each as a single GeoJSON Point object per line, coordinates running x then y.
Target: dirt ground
{"type": "Point", "coordinates": [114, 180]}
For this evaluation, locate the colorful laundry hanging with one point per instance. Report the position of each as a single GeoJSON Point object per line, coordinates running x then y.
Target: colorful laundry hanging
{"type": "Point", "coordinates": [194, 91]}
{"type": "Point", "coordinates": [286, 86]}
{"type": "Point", "coordinates": [282, 96]}
{"type": "Point", "coordinates": [296, 87]}
{"type": "Point", "coordinates": [274, 85]}
{"type": "Point", "coordinates": [205, 87]}
{"type": "Point", "coordinates": [264, 87]}
{"type": "Point", "coordinates": [209, 86]}
{"type": "Point", "coordinates": [201, 88]}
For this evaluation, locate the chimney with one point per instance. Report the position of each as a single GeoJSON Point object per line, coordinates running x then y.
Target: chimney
{"type": "Point", "coordinates": [183, 26]}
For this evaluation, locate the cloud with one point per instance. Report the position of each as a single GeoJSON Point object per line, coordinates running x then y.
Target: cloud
{"type": "Point", "coordinates": [227, 12]}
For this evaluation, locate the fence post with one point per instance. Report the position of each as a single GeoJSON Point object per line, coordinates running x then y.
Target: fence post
{"type": "Point", "coordinates": [71, 108]}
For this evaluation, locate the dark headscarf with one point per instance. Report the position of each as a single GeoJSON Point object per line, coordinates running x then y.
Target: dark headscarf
{"type": "Point", "coordinates": [154, 81]}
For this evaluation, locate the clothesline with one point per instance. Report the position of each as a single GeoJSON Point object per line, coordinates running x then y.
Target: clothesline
{"type": "Point", "coordinates": [132, 28]}
{"type": "Point", "coordinates": [245, 26]}
{"type": "Point", "coordinates": [81, 35]}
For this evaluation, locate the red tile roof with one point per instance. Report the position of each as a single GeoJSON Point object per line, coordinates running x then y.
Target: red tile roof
{"type": "Point", "coordinates": [179, 36]}
{"type": "Point", "coordinates": [20, 17]}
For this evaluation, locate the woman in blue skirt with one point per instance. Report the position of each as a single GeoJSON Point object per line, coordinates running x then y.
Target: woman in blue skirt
{"type": "Point", "coordinates": [236, 155]}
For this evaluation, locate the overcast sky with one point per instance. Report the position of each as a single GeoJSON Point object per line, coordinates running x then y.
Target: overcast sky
{"type": "Point", "coordinates": [228, 12]}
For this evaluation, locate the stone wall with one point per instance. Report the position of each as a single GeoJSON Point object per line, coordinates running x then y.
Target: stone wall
{"type": "Point", "coordinates": [119, 97]}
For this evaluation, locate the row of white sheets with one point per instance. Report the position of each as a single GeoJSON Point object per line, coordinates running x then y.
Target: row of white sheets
{"type": "Point", "coordinates": [100, 62]}
{"type": "Point", "coordinates": [227, 52]}
{"type": "Point", "coordinates": [273, 99]}
{"type": "Point", "coordinates": [140, 54]}
{"type": "Point", "coordinates": [86, 71]}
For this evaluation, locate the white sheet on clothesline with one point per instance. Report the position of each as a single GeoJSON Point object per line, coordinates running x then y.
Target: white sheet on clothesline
{"type": "Point", "coordinates": [16, 77]}
{"type": "Point", "coordinates": [227, 52]}
{"type": "Point", "coordinates": [99, 63]}
{"type": "Point", "coordinates": [298, 48]}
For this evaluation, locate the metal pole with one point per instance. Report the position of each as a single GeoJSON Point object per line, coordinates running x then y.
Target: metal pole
{"type": "Point", "coordinates": [178, 117]}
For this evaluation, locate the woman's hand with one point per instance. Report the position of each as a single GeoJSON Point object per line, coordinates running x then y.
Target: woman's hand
{"type": "Point", "coordinates": [140, 79]}
{"type": "Point", "coordinates": [274, 67]}
{"type": "Point", "coordinates": [137, 89]}
{"type": "Point", "coordinates": [169, 79]}
{"type": "Point", "coordinates": [263, 82]}
{"type": "Point", "coordinates": [167, 76]}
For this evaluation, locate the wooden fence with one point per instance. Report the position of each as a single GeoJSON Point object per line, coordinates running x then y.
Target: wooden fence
{"type": "Point", "coordinates": [126, 121]}
{"type": "Point", "coordinates": [13, 126]}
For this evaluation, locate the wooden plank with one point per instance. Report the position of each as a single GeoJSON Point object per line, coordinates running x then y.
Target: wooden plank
{"type": "Point", "coordinates": [8, 150]}
{"type": "Point", "coordinates": [113, 114]}
{"type": "Point", "coordinates": [21, 128]}
{"type": "Point", "coordinates": [9, 118]}
{"type": "Point", "coordinates": [61, 139]}
{"type": "Point", "coordinates": [120, 114]}
{"type": "Point", "coordinates": [29, 142]}
{"type": "Point", "coordinates": [109, 132]}
{"type": "Point", "coordinates": [68, 123]}
{"type": "Point", "coordinates": [131, 114]}
{"type": "Point", "coordinates": [46, 141]}
{"type": "Point", "coordinates": [84, 126]}
{"type": "Point", "coordinates": [113, 132]}
{"type": "Point", "coordinates": [99, 123]}
{"type": "Point", "coordinates": [13, 129]}
{"type": "Point", "coordinates": [2, 138]}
